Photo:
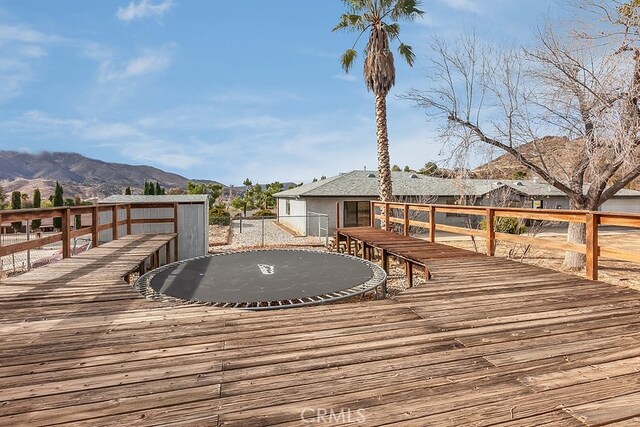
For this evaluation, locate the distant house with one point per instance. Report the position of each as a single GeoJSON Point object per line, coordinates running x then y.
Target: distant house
{"type": "Point", "coordinates": [350, 194]}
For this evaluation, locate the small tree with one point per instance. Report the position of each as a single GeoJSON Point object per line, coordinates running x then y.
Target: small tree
{"type": "Point", "coordinates": [127, 191]}
{"type": "Point", "coordinates": [16, 203]}
{"type": "Point", "coordinates": [37, 203]}
{"type": "Point", "coordinates": [58, 200]}
{"type": "Point", "coordinates": [3, 197]}
{"type": "Point", "coordinates": [429, 168]}
{"type": "Point", "coordinates": [149, 188]}
{"type": "Point", "coordinates": [219, 215]}
{"type": "Point", "coordinates": [242, 203]}
{"type": "Point", "coordinates": [407, 169]}
{"type": "Point", "coordinates": [211, 190]}
{"type": "Point", "coordinates": [273, 188]}
{"type": "Point", "coordinates": [395, 168]}
{"type": "Point", "coordinates": [248, 200]}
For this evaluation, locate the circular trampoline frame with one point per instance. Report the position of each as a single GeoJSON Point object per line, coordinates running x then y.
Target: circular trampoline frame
{"type": "Point", "coordinates": [377, 283]}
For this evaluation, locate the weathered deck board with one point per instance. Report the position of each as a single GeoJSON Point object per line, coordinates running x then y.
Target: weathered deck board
{"type": "Point", "coordinates": [486, 342]}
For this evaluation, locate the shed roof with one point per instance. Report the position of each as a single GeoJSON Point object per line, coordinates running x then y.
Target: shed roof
{"type": "Point", "coordinates": [169, 198]}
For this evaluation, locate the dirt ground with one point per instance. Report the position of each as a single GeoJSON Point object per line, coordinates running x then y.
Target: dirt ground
{"type": "Point", "coordinates": [219, 235]}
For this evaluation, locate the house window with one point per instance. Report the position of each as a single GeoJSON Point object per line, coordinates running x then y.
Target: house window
{"type": "Point", "coordinates": [356, 214]}
{"type": "Point", "coordinates": [287, 207]}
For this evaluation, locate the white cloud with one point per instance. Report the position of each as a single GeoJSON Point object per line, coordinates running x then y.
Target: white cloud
{"type": "Point", "coordinates": [14, 74]}
{"type": "Point", "coordinates": [346, 77]}
{"type": "Point", "coordinates": [22, 34]}
{"type": "Point", "coordinates": [110, 131]}
{"type": "Point", "coordinates": [150, 62]}
{"type": "Point", "coordinates": [20, 47]}
{"type": "Point", "coordinates": [32, 51]}
{"type": "Point", "coordinates": [146, 64]}
{"type": "Point", "coordinates": [464, 5]}
{"type": "Point", "coordinates": [143, 9]}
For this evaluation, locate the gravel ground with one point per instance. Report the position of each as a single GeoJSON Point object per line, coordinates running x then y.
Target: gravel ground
{"type": "Point", "coordinates": [274, 236]}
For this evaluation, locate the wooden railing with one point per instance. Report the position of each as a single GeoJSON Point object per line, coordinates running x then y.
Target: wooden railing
{"type": "Point", "coordinates": [67, 231]}
{"type": "Point", "coordinates": [591, 249]}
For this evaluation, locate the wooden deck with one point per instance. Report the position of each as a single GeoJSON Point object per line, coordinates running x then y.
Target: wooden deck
{"type": "Point", "coordinates": [486, 342]}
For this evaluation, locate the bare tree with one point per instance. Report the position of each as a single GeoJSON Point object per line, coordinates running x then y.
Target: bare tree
{"type": "Point", "coordinates": [583, 93]}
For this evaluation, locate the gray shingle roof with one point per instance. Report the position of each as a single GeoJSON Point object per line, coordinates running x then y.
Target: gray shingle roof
{"type": "Point", "coordinates": [365, 184]}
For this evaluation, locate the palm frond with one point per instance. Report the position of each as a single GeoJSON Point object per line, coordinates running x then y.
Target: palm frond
{"type": "Point", "coordinates": [356, 6]}
{"type": "Point", "coordinates": [393, 30]}
{"type": "Point", "coordinates": [407, 53]}
{"type": "Point", "coordinates": [406, 9]}
{"type": "Point", "coordinates": [347, 59]}
{"type": "Point", "coordinates": [350, 22]}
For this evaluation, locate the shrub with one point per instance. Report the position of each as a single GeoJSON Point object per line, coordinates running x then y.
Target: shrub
{"type": "Point", "coordinates": [505, 225]}
{"type": "Point", "coordinates": [263, 212]}
{"type": "Point", "coordinates": [218, 215]}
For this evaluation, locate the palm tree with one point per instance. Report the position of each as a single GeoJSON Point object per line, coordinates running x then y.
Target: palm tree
{"type": "Point", "coordinates": [380, 18]}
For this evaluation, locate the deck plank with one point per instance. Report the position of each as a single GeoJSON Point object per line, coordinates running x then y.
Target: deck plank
{"type": "Point", "coordinates": [487, 341]}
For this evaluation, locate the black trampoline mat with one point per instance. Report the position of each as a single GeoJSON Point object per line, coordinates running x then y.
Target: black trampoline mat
{"type": "Point", "coordinates": [263, 275]}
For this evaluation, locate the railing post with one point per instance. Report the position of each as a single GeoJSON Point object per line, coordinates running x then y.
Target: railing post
{"type": "Point", "coordinates": [114, 223]}
{"type": "Point", "coordinates": [432, 223]}
{"type": "Point", "coordinates": [592, 246]}
{"type": "Point", "coordinates": [491, 232]}
{"type": "Point", "coordinates": [372, 213]}
{"type": "Point", "coordinates": [66, 244]}
{"type": "Point", "coordinates": [175, 218]}
{"type": "Point", "coordinates": [94, 226]}
{"type": "Point", "coordinates": [386, 216]}
{"type": "Point", "coordinates": [406, 219]}
{"type": "Point", "coordinates": [129, 219]}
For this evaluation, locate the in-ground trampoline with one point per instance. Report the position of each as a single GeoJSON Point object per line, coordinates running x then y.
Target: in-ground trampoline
{"type": "Point", "coordinates": [264, 279]}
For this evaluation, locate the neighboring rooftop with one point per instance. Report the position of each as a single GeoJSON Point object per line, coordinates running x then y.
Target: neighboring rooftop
{"type": "Point", "coordinates": [360, 183]}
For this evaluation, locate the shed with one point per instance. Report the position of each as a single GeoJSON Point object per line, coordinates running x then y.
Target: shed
{"type": "Point", "coordinates": [193, 220]}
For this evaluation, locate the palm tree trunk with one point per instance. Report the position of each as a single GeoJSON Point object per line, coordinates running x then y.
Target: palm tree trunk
{"type": "Point", "coordinates": [384, 169]}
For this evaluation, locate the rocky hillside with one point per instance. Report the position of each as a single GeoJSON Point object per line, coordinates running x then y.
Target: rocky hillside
{"type": "Point", "coordinates": [563, 160]}
{"type": "Point", "coordinates": [79, 175]}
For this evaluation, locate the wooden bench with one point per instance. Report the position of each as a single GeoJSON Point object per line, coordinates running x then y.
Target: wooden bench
{"type": "Point", "coordinates": [413, 251]}
{"type": "Point", "coordinates": [114, 261]}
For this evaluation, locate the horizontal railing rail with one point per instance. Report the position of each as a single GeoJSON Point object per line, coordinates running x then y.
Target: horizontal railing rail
{"type": "Point", "coordinates": [400, 214]}
{"type": "Point", "coordinates": [67, 231]}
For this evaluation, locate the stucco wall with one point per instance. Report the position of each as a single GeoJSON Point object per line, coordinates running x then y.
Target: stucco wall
{"type": "Point", "coordinates": [296, 219]}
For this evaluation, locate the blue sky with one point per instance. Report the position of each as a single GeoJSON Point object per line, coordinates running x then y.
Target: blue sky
{"type": "Point", "coordinates": [217, 89]}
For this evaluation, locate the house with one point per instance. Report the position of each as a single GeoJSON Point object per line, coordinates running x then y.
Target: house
{"type": "Point", "coordinates": [350, 194]}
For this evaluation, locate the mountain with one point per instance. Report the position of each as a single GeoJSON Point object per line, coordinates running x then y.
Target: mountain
{"type": "Point", "coordinates": [563, 160]}
{"type": "Point", "coordinates": [79, 176]}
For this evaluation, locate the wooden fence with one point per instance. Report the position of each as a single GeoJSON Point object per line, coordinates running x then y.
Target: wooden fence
{"type": "Point", "coordinates": [592, 220]}
{"type": "Point", "coordinates": [68, 232]}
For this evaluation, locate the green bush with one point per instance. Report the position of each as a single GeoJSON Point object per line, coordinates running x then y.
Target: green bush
{"type": "Point", "coordinates": [505, 225]}
{"type": "Point", "coordinates": [218, 215]}
{"type": "Point", "coordinates": [263, 212]}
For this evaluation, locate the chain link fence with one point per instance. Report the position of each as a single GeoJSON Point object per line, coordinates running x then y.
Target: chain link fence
{"type": "Point", "coordinates": [303, 230]}
{"type": "Point", "coordinates": [23, 261]}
